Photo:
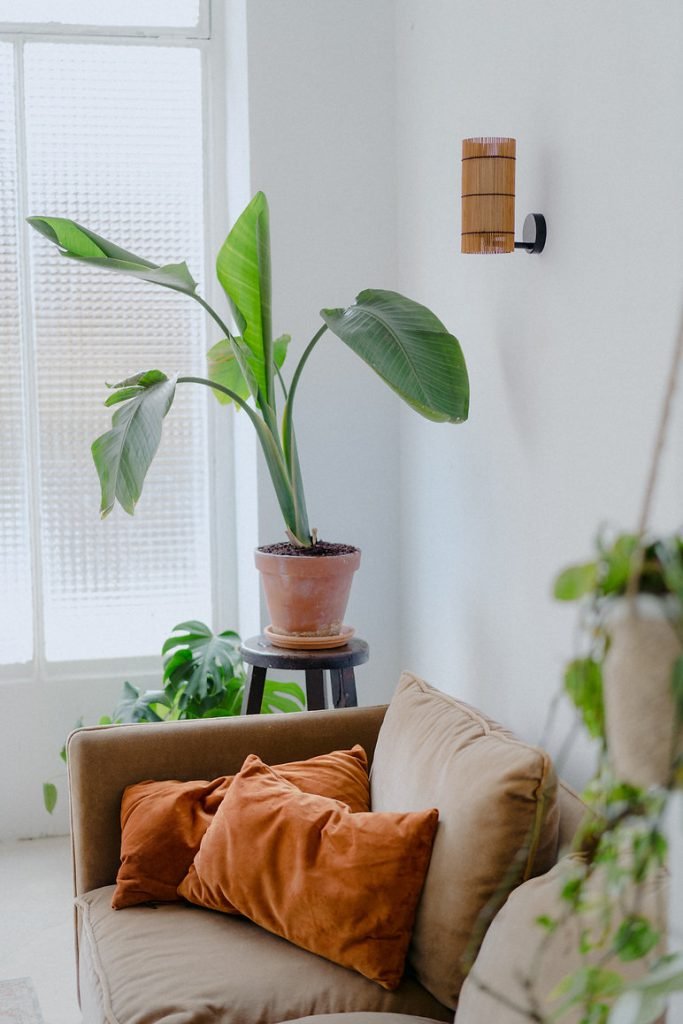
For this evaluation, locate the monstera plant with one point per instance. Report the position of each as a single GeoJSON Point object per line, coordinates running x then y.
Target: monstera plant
{"type": "Point", "coordinates": [401, 340]}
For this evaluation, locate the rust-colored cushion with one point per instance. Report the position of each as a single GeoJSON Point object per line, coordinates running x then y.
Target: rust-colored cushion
{"type": "Point", "coordinates": [162, 823]}
{"type": "Point", "coordinates": [342, 885]}
{"type": "Point", "coordinates": [498, 819]}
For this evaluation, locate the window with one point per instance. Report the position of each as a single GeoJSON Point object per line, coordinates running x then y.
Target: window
{"type": "Point", "coordinates": [110, 130]}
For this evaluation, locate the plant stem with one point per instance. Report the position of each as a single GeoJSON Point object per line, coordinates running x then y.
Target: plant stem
{"type": "Point", "coordinates": [287, 417]}
{"type": "Point", "coordinates": [214, 315]}
{"type": "Point", "coordinates": [272, 450]}
{"type": "Point", "coordinates": [302, 362]}
{"type": "Point", "coordinates": [289, 448]}
{"type": "Point", "coordinates": [269, 414]}
{"type": "Point", "coordinates": [655, 463]}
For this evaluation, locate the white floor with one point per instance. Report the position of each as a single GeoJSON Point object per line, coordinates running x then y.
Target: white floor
{"type": "Point", "coordinates": [36, 923]}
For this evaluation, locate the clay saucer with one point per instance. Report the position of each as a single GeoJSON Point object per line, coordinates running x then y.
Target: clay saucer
{"type": "Point", "coordinates": [309, 643]}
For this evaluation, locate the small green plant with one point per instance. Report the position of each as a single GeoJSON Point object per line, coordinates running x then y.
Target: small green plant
{"type": "Point", "coordinates": [401, 340]}
{"type": "Point", "coordinates": [203, 677]}
{"type": "Point", "coordinates": [622, 566]}
{"type": "Point", "coordinates": [623, 844]}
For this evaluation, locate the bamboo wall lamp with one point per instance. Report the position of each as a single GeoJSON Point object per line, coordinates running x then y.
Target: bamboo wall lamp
{"type": "Point", "coordinates": [488, 200]}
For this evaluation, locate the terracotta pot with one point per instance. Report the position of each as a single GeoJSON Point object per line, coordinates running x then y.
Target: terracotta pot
{"type": "Point", "coordinates": [640, 715]}
{"type": "Point", "coordinates": [307, 596]}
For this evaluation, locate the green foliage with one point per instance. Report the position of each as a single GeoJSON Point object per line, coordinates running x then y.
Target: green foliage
{"type": "Point", "coordinates": [645, 1000]}
{"type": "Point", "coordinates": [123, 454]}
{"type": "Point", "coordinates": [204, 677]}
{"type": "Point", "coordinates": [635, 938]}
{"type": "Point", "coordinates": [409, 348]}
{"type": "Point", "coordinates": [49, 796]}
{"type": "Point", "coordinates": [202, 663]}
{"type": "Point", "coordinates": [78, 243]}
{"type": "Point", "coordinates": [583, 685]}
{"type": "Point", "coordinates": [402, 341]}
{"type": "Point", "coordinates": [623, 844]}
{"type": "Point", "coordinates": [659, 564]}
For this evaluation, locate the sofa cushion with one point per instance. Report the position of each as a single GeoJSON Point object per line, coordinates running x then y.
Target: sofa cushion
{"type": "Point", "coordinates": [525, 973]}
{"type": "Point", "coordinates": [498, 819]}
{"type": "Point", "coordinates": [361, 1018]}
{"type": "Point", "coordinates": [177, 964]}
{"type": "Point", "coordinates": [342, 885]}
{"type": "Point", "coordinates": [162, 823]}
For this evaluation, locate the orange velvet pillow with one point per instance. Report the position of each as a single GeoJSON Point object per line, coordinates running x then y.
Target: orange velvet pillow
{"type": "Point", "coordinates": [342, 885]}
{"type": "Point", "coordinates": [162, 823]}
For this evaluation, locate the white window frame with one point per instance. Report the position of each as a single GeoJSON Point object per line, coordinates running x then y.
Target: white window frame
{"type": "Point", "coordinates": [209, 38]}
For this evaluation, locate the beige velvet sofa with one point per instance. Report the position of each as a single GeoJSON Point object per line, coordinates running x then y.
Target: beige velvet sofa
{"type": "Point", "coordinates": [179, 964]}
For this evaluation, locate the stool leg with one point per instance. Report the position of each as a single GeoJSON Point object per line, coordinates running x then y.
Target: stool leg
{"type": "Point", "coordinates": [344, 688]}
{"type": "Point", "coordinates": [253, 694]}
{"type": "Point", "coordinates": [315, 689]}
{"type": "Point", "coordinates": [336, 686]}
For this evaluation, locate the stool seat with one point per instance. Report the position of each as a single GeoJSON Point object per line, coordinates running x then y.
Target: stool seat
{"type": "Point", "coordinates": [261, 654]}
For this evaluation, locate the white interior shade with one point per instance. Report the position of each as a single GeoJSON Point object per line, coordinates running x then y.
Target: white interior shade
{"type": "Point", "coordinates": [152, 13]}
{"type": "Point", "coordinates": [16, 632]}
{"type": "Point", "coordinates": [114, 141]}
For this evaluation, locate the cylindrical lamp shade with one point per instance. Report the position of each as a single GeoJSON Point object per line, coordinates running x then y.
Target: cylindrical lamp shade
{"type": "Point", "coordinates": [488, 195]}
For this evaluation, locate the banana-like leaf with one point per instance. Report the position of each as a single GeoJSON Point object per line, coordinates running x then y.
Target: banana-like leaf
{"type": "Point", "coordinates": [123, 455]}
{"type": "Point", "coordinates": [224, 367]}
{"type": "Point", "coordinates": [243, 269]}
{"type": "Point", "coordinates": [81, 244]}
{"type": "Point", "coordinates": [410, 349]}
{"type": "Point", "coordinates": [203, 662]}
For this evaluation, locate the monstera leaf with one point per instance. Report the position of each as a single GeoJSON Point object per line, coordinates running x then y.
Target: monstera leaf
{"type": "Point", "coordinates": [202, 662]}
{"type": "Point", "coordinates": [135, 706]}
{"type": "Point", "coordinates": [410, 349]}
{"type": "Point", "coordinates": [79, 243]}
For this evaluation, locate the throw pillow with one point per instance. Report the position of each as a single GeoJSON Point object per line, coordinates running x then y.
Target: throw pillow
{"type": "Point", "coordinates": [497, 800]}
{"type": "Point", "coordinates": [162, 823]}
{"type": "Point", "coordinates": [342, 885]}
{"type": "Point", "coordinates": [520, 963]}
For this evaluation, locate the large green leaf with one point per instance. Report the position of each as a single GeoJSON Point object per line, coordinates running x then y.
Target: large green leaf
{"type": "Point", "coordinates": [410, 349]}
{"type": "Point", "coordinates": [203, 662]}
{"type": "Point", "coordinates": [123, 455]}
{"type": "Point", "coordinates": [243, 269]}
{"type": "Point", "coordinates": [79, 243]}
{"type": "Point", "coordinates": [224, 367]}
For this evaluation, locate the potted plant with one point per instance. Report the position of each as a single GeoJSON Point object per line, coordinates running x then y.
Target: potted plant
{"type": "Point", "coordinates": [204, 677]}
{"type": "Point", "coordinates": [401, 340]}
{"type": "Point", "coordinates": [628, 685]}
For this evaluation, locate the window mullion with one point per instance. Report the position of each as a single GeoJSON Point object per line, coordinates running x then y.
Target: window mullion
{"type": "Point", "coordinates": [28, 364]}
{"type": "Point", "coordinates": [219, 424]}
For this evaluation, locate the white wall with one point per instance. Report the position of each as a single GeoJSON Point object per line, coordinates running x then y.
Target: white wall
{"type": "Point", "coordinates": [567, 351]}
{"type": "Point", "coordinates": [321, 116]}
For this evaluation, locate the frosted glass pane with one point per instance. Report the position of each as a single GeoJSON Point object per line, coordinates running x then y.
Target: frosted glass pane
{"type": "Point", "coordinates": [16, 634]}
{"type": "Point", "coordinates": [171, 13]}
{"type": "Point", "coordinates": [125, 160]}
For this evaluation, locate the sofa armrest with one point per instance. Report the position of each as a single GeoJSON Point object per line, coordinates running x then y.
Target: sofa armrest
{"type": "Point", "coordinates": [103, 760]}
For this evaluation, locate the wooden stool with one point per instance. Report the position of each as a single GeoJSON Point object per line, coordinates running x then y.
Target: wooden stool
{"type": "Point", "coordinates": [260, 654]}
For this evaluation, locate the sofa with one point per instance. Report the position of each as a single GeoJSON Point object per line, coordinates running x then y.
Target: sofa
{"type": "Point", "coordinates": [504, 818]}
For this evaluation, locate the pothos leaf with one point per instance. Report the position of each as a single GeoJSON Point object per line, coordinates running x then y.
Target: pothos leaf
{"type": "Point", "coordinates": [49, 796]}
